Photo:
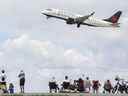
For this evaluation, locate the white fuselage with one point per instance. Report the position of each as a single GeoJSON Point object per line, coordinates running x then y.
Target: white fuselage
{"type": "Point", "coordinates": [91, 21]}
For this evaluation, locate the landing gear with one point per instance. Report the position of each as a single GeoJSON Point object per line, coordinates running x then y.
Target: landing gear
{"type": "Point", "coordinates": [78, 25]}
{"type": "Point", "coordinates": [47, 17]}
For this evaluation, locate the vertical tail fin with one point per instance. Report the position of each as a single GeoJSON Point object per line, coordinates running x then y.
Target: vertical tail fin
{"type": "Point", "coordinates": [114, 18]}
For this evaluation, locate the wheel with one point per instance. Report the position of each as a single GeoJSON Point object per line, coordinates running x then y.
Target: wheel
{"type": "Point", "coordinates": [114, 90]}
{"type": "Point", "coordinates": [126, 90]}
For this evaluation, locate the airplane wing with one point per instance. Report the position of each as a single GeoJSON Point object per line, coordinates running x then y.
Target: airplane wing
{"type": "Point", "coordinates": [83, 18]}
{"type": "Point", "coordinates": [59, 16]}
{"type": "Point", "coordinates": [55, 13]}
{"type": "Point", "coordinates": [80, 20]}
{"type": "Point", "coordinates": [69, 18]}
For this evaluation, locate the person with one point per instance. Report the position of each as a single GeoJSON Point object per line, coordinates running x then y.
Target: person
{"type": "Point", "coordinates": [75, 86]}
{"type": "Point", "coordinates": [3, 81]}
{"type": "Point", "coordinates": [53, 85]}
{"type": "Point", "coordinates": [87, 85]}
{"type": "Point", "coordinates": [107, 86]}
{"type": "Point", "coordinates": [22, 80]}
{"type": "Point", "coordinates": [120, 86]}
{"type": "Point", "coordinates": [66, 83]}
{"type": "Point", "coordinates": [11, 88]}
{"type": "Point", "coordinates": [81, 85]}
{"type": "Point", "coordinates": [95, 86]}
{"type": "Point", "coordinates": [117, 78]}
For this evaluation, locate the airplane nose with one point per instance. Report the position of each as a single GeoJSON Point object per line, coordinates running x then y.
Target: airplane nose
{"type": "Point", "coordinates": [43, 12]}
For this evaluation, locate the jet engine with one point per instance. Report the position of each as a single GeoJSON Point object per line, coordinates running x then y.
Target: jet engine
{"type": "Point", "coordinates": [70, 21]}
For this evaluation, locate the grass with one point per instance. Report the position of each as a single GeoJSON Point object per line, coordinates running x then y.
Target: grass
{"type": "Point", "coordinates": [62, 94]}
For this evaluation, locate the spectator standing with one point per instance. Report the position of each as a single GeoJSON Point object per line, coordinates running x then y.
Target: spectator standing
{"type": "Point", "coordinates": [22, 80]}
{"type": "Point", "coordinates": [95, 86]}
{"type": "Point", "coordinates": [108, 86]}
{"type": "Point", "coordinates": [66, 83]}
{"type": "Point", "coordinates": [53, 85]}
{"type": "Point", "coordinates": [81, 85]}
{"type": "Point", "coordinates": [87, 85]}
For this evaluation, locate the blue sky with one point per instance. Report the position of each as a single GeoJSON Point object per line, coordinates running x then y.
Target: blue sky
{"type": "Point", "coordinates": [45, 48]}
{"type": "Point", "coordinates": [4, 36]}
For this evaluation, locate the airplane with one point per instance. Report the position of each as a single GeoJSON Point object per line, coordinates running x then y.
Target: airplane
{"type": "Point", "coordinates": [83, 20]}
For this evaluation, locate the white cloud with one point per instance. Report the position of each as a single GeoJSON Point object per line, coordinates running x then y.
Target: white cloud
{"type": "Point", "coordinates": [40, 55]}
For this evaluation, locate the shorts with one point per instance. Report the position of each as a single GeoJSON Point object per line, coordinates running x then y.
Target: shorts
{"type": "Point", "coordinates": [3, 83]}
{"type": "Point", "coordinates": [22, 81]}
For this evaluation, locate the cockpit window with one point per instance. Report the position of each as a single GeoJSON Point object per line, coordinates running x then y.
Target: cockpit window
{"type": "Point", "coordinates": [49, 9]}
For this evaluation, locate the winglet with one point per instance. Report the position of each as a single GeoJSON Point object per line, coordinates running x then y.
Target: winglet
{"type": "Point", "coordinates": [92, 13]}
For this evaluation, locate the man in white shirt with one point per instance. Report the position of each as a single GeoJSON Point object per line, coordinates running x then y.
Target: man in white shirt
{"type": "Point", "coordinates": [87, 85]}
{"type": "Point", "coordinates": [66, 83]}
{"type": "Point", "coordinates": [53, 85]}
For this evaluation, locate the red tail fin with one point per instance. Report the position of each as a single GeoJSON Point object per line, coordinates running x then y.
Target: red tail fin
{"type": "Point", "coordinates": [114, 18]}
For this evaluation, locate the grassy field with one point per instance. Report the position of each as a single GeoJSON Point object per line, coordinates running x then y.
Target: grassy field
{"type": "Point", "coordinates": [62, 94]}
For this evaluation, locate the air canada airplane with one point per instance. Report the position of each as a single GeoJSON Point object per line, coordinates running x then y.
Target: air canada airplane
{"type": "Point", "coordinates": [83, 20]}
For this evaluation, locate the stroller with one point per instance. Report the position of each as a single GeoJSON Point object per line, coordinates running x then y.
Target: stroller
{"type": "Point", "coordinates": [121, 86]}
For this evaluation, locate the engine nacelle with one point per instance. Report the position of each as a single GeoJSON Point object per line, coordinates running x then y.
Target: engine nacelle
{"type": "Point", "coordinates": [70, 21]}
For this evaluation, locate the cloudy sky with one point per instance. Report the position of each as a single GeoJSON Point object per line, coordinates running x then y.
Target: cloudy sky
{"type": "Point", "coordinates": [45, 48]}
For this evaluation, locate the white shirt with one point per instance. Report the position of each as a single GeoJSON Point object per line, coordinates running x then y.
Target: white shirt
{"type": "Point", "coordinates": [66, 80]}
{"type": "Point", "coordinates": [87, 83]}
{"type": "Point", "coordinates": [3, 75]}
{"type": "Point", "coordinates": [21, 75]}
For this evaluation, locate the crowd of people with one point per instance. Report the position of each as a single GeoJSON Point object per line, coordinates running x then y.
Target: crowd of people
{"type": "Point", "coordinates": [80, 85]}
{"type": "Point", "coordinates": [88, 86]}
{"type": "Point", "coordinates": [10, 89]}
